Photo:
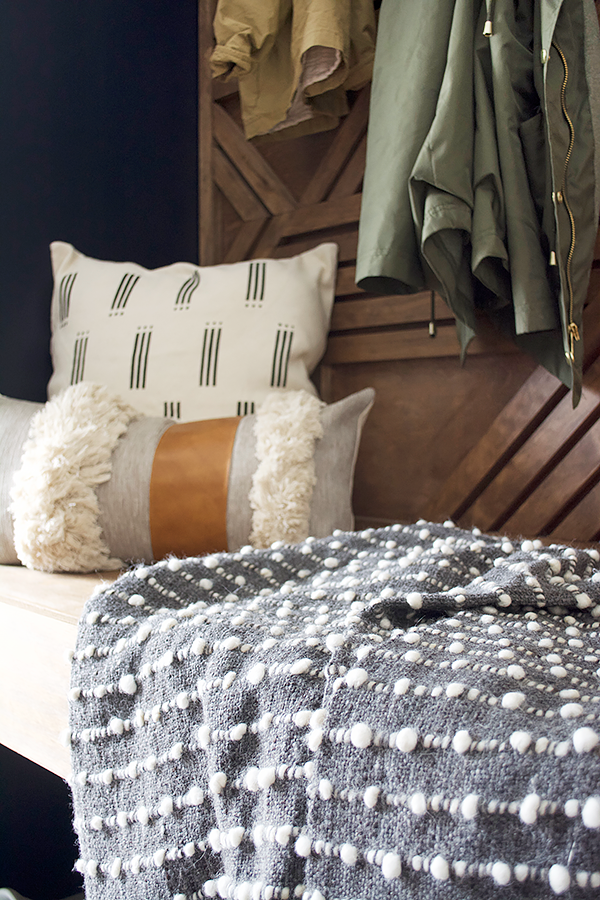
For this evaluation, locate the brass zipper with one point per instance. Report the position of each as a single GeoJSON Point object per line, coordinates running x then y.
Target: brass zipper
{"type": "Point", "coordinates": [572, 328]}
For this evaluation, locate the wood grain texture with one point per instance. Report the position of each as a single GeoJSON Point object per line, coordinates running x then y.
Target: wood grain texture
{"type": "Point", "coordinates": [409, 343]}
{"type": "Point", "coordinates": [551, 500]}
{"type": "Point", "coordinates": [539, 454]}
{"type": "Point", "coordinates": [249, 162]}
{"type": "Point", "coordinates": [340, 154]}
{"type": "Point", "coordinates": [236, 189]}
{"type": "Point", "coordinates": [38, 626]}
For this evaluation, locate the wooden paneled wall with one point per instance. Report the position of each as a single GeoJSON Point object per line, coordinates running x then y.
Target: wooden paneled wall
{"type": "Point", "coordinates": [494, 442]}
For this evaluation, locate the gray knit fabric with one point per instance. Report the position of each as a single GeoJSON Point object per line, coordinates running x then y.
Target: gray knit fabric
{"type": "Point", "coordinates": [409, 712]}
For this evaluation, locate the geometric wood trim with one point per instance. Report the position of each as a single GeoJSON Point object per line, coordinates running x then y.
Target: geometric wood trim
{"type": "Point", "coordinates": [530, 473]}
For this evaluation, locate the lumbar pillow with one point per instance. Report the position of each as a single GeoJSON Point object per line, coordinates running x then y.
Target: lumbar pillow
{"type": "Point", "coordinates": [190, 342]}
{"type": "Point", "coordinates": [97, 484]}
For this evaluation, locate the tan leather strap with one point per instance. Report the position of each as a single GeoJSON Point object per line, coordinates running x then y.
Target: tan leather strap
{"type": "Point", "coordinates": [188, 488]}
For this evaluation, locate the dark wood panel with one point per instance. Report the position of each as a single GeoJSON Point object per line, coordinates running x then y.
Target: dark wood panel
{"type": "Point", "coordinates": [545, 506]}
{"type": "Point", "coordinates": [249, 162]}
{"type": "Point", "coordinates": [583, 520]}
{"type": "Point", "coordinates": [427, 413]}
{"type": "Point", "coordinates": [348, 133]}
{"type": "Point", "coordinates": [390, 310]}
{"type": "Point", "coordinates": [409, 343]}
{"type": "Point", "coordinates": [544, 449]}
{"type": "Point", "coordinates": [516, 421]}
{"type": "Point", "coordinates": [347, 241]}
{"type": "Point", "coordinates": [235, 188]}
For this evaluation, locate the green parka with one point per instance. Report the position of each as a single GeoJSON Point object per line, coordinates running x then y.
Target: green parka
{"type": "Point", "coordinates": [483, 166]}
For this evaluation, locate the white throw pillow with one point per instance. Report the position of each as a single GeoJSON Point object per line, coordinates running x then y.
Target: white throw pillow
{"type": "Point", "coordinates": [190, 342]}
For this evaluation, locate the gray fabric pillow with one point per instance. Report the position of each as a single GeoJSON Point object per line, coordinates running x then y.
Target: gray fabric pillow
{"type": "Point", "coordinates": [131, 496]}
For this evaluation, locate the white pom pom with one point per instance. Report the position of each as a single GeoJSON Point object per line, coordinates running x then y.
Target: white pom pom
{"type": "Point", "coordinates": [303, 846]}
{"type": "Point", "coordinates": [251, 778]}
{"type": "Point", "coordinates": [256, 673]}
{"type": "Point", "coordinates": [439, 868]}
{"type": "Point", "coordinates": [418, 804]}
{"type": "Point", "coordinates": [585, 739]}
{"type": "Point", "coordinates": [198, 646]}
{"type": "Point", "coordinates": [195, 796]}
{"type": "Point", "coordinates": [406, 740]}
{"type": "Point", "coordinates": [231, 643]}
{"type": "Point", "coordinates": [571, 710]}
{"type": "Point", "coordinates": [517, 672]}
{"type": "Point", "coordinates": [127, 684]}
{"type": "Point", "coordinates": [204, 736]}
{"type": "Point", "coordinates": [283, 834]}
{"type": "Point", "coordinates": [349, 854]}
{"type": "Point", "coordinates": [559, 878]}
{"type": "Point", "coordinates": [591, 812]}
{"type": "Point", "coordinates": [469, 806]}
{"type": "Point", "coordinates": [520, 741]}
{"type": "Point", "coordinates": [361, 735]}
{"type": "Point", "coordinates": [461, 741]}
{"type": "Point", "coordinates": [314, 739]}
{"type": "Point", "coordinates": [513, 700]}
{"type": "Point", "coordinates": [401, 686]}
{"type": "Point", "coordinates": [356, 677]}
{"type": "Point", "coordinates": [371, 796]}
{"type": "Point", "coordinates": [572, 808]}
{"type": "Point", "coordinates": [325, 789]}
{"type": "Point", "coordinates": [455, 689]}
{"type": "Point", "coordinates": [529, 808]}
{"type": "Point", "coordinates": [391, 866]}
{"type": "Point", "coordinates": [266, 777]}
{"type": "Point", "coordinates": [142, 815]}
{"type": "Point", "coordinates": [165, 807]}
{"type": "Point", "coordinates": [217, 782]}
{"type": "Point", "coordinates": [302, 718]}
{"type": "Point", "coordinates": [414, 600]}
{"type": "Point", "coordinates": [183, 700]}
{"type": "Point", "coordinates": [116, 725]}
{"type": "Point", "coordinates": [235, 836]}
{"type": "Point", "coordinates": [301, 666]}
{"type": "Point", "coordinates": [501, 872]}
{"type": "Point", "coordinates": [115, 867]}
{"type": "Point", "coordinates": [238, 731]}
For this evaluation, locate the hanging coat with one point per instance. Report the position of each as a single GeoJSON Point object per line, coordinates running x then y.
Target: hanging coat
{"type": "Point", "coordinates": [482, 178]}
{"type": "Point", "coordinates": [295, 60]}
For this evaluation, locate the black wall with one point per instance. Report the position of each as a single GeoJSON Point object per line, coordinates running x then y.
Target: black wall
{"type": "Point", "coordinates": [98, 147]}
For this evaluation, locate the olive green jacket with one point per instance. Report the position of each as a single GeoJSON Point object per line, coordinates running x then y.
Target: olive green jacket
{"type": "Point", "coordinates": [483, 166]}
{"type": "Point", "coordinates": [295, 59]}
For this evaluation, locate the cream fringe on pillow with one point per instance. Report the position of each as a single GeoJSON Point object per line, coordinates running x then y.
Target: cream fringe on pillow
{"type": "Point", "coordinates": [54, 504]}
{"type": "Point", "coordinates": [286, 428]}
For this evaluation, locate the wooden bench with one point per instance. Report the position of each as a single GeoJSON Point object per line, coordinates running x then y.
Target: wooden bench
{"type": "Point", "coordinates": [38, 626]}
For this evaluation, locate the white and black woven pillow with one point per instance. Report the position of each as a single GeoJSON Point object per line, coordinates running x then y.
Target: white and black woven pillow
{"type": "Point", "coordinates": [189, 342]}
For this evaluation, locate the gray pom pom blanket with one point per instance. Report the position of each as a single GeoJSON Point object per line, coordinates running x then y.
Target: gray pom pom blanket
{"type": "Point", "coordinates": [408, 712]}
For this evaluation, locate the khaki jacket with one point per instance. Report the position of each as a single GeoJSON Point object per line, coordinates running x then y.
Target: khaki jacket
{"type": "Point", "coordinates": [482, 174]}
{"type": "Point", "coordinates": [294, 59]}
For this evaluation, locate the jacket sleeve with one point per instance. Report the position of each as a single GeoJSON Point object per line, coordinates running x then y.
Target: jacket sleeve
{"type": "Point", "coordinates": [245, 31]}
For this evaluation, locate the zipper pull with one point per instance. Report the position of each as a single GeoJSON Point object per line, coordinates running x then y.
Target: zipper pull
{"type": "Point", "coordinates": [573, 331]}
{"type": "Point", "coordinates": [432, 328]}
{"type": "Point", "coordinates": [552, 258]}
{"type": "Point", "coordinates": [487, 28]}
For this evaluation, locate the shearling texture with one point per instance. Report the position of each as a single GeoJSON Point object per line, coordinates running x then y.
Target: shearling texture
{"type": "Point", "coordinates": [286, 428]}
{"type": "Point", "coordinates": [67, 454]}
{"type": "Point", "coordinates": [408, 713]}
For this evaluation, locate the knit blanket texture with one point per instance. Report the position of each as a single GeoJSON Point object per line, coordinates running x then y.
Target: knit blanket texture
{"type": "Point", "coordinates": [407, 712]}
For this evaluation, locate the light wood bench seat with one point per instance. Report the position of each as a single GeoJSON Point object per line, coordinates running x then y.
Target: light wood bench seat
{"type": "Point", "coordinates": [38, 626]}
